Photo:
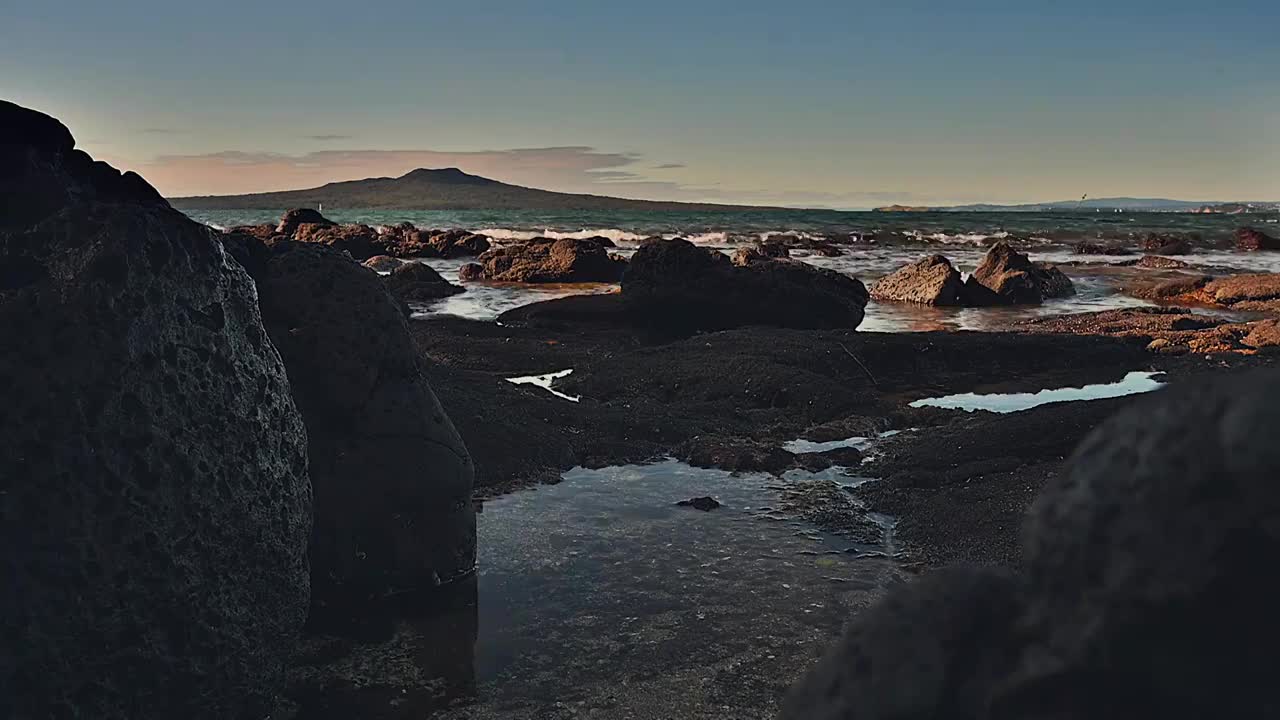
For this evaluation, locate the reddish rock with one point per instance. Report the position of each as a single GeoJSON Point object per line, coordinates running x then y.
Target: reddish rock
{"type": "Point", "coordinates": [929, 281]}
{"type": "Point", "coordinates": [360, 241]}
{"type": "Point", "coordinates": [1251, 239]}
{"type": "Point", "coordinates": [1157, 262]}
{"type": "Point", "coordinates": [264, 231]}
{"type": "Point", "coordinates": [567, 260]}
{"type": "Point", "coordinates": [1014, 279]}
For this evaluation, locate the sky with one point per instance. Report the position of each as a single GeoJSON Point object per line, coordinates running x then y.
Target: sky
{"type": "Point", "coordinates": [846, 104]}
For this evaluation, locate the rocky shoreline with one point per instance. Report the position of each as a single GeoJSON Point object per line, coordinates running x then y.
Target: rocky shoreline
{"type": "Point", "coordinates": [243, 450]}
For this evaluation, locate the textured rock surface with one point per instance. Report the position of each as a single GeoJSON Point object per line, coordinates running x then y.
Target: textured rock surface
{"type": "Point", "coordinates": [929, 281]}
{"type": "Point", "coordinates": [1248, 238]}
{"type": "Point", "coordinates": [154, 500]}
{"type": "Point", "coordinates": [675, 284]}
{"type": "Point", "coordinates": [416, 282]}
{"type": "Point", "coordinates": [392, 478]}
{"type": "Point", "coordinates": [930, 649]}
{"type": "Point", "coordinates": [568, 260]}
{"type": "Point", "coordinates": [1146, 561]}
{"type": "Point", "coordinates": [383, 263]}
{"type": "Point", "coordinates": [1016, 280]}
{"type": "Point", "coordinates": [360, 241]}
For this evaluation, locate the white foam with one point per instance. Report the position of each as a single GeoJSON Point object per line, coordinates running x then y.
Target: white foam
{"type": "Point", "coordinates": [544, 382]}
{"type": "Point", "coordinates": [614, 234]}
{"type": "Point", "coordinates": [809, 446]}
{"type": "Point", "coordinates": [1133, 383]}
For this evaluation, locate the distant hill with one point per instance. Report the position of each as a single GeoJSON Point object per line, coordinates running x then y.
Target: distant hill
{"type": "Point", "coordinates": [422, 189]}
{"type": "Point", "coordinates": [1127, 204]}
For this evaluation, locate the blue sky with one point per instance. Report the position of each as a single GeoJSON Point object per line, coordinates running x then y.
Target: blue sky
{"type": "Point", "coordinates": [845, 104]}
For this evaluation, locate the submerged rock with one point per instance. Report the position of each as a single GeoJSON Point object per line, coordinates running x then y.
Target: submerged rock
{"type": "Point", "coordinates": [929, 281]}
{"type": "Point", "coordinates": [154, 500]}
{"type": "Point", "coordinates": [1012, 278]}
{"type": "Point", "coordinates": [418, 282]}
{"type": "Point", "coordinates": [705, 504]}
{"type": "Point", "coordinates": [568, 260]}
{"type": "Point", "coordinates": [1144, 562]}
{"type": "Point", "coordinates": [1159, 244]}
{"type": "Point", "coordinates": [675, 284]}
{"type": "Point", "coordinates": [930, 649]}
{"type": "Point", "coordinates": [1252, 239]}
{"type": "Point", "coordinates": [293, 219]}
{"type": "Point", "coordinates": [392, 477]}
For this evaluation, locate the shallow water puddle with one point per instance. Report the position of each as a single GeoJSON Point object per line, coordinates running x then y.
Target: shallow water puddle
{"type": "Point", "coordinates": [861, 443]}
{"type": "Point", "coordinates": [544, 382]}
{"type": "Point", "coordinates": [598, 597]}
{"type": "Point", "coordinates": [1132, 384]}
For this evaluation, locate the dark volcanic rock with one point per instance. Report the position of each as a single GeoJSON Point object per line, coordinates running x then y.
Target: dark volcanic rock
{"type": "Point", "coordinates": [1159, 262]}
{"type": "Point", "coordinates": [735, 454]}
{"type": "Point", "coordinates": [458, 243]}
{"type": "Point", "coordinates": [1248, 238]}
{"type": "Point", "coordinates": [264, 231]}
{"type": "Point", "coordinates": [567, 260]}
{"type": "Point", "coordinates": [705, 504]}
{"type": "Point", "coordinates": [392, 478]}
{"type": "Point", "coordinates": [930, 281]}
{"type": "Point", "coordinates": [1098, 248]}
{"type": "Point", "coordinates": [677, 285]}
{"type": "Point", "coordinates": [759, 253]}
{"type": "Point", "coordinates": [1146, 562]}
{"type": "Point", "coordinates": [931, 649]}
{"type": "Point", "coordinates": [1016, 280]}
{"type": "Point", "coordinates": [1158, 244]}
{"type": "Point", "coordinates": [293, 219]}
{"type": "Point", "coordinates": [418, 282]}
{"type": "Point", "coordinates": [154, 500]}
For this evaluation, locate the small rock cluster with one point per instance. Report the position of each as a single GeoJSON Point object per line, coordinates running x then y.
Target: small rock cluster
{"type": "Point", "coordinates": [1005, 277]}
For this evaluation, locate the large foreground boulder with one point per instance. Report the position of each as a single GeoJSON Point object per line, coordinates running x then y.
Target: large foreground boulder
{"type": "Point", "coordinates": [154, 500]}
{"type": "Point", "coordinates": [928, 281]}
{"type": "Point", "coordinates": [932, 649]}
{"type": "Point", "coordinates": [676, 284]}
{"type": "Point", "coordinates": [1151, 594]}
{"type": "Point", "coordinates": [392, 477]}
{"type": "Point", "coordinates": [567, 260]}
{"type": "Point", "coordinates": [1012, 278]}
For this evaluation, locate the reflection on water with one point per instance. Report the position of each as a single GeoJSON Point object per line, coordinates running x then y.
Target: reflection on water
{"type": "Point", "coordinates": [1132, 384]}
{"type": "Point", "coordinates": [486, 301]}
{"type": "Point", "coordinates": [599, 597]}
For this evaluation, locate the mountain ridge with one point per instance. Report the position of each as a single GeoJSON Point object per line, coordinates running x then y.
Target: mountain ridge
{"type": "Point", "coordinates": [436, 189]}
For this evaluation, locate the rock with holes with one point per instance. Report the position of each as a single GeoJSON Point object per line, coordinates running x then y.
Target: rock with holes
{"type": "Point", "coordinates": [154, 501]}
{"type": "Point", "coordinates": [1149, 561]}
{"type": "Point", "coordinates": [930, 649]}
{"type": "Point", "coordinates": [392, 477]}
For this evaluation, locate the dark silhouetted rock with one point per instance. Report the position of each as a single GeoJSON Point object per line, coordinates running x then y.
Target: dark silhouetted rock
{"type": "Point", "coordinates": [383, 263]}
{"type": "Point", "coordinates": [1016, 280]}
{"type": "Point", "coordinates": [929, 281]}
{"type": "Point", "coordinates": [458, 243]}
{"type": "Point", "coordinates": [705, 504]}
{"type": "Point", "coordinates": [930, 649]}
{"type": "Point", "coordinates": [419, 282]}
{"type": "Point", "coordinates": [1150, 593]}
{"type": "Point", "coordinates": [568, 260]}
{"type": "Point", "coordinates": [154, 500]}
{"type": "Point", "coordinates": [264, 231]}
{"type": "Point", "coordinates": [1098, 248]}
{"type": "Point", "coordinates": [759, 253]}
{"type": "Point", "coordinates": [392, 478]}
{"type": "Point", "coordinates": [292, 219]}
{"type": "Point", "coordinates": [677, 285]}
{"type": "Point", "coordinates": [1251, 239]}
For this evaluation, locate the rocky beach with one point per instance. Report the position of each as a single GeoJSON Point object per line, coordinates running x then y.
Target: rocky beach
{"type": "Point", "coordinates": [312, 469]}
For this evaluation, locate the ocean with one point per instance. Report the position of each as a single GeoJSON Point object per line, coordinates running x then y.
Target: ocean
{"type": "Point", "coordinates": [873, 244]}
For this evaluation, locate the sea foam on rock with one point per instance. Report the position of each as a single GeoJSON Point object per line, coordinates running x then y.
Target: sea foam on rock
{"type": "Point", "coordinates": [154, 494]}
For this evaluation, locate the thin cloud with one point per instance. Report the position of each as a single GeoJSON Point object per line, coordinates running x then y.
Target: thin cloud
{"type": "Point", "coordinates": [669, 166]}
{"type": "Point", "coordinates": [161, 131]}
{"type": "Point", "coordinates": [327, 138]}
